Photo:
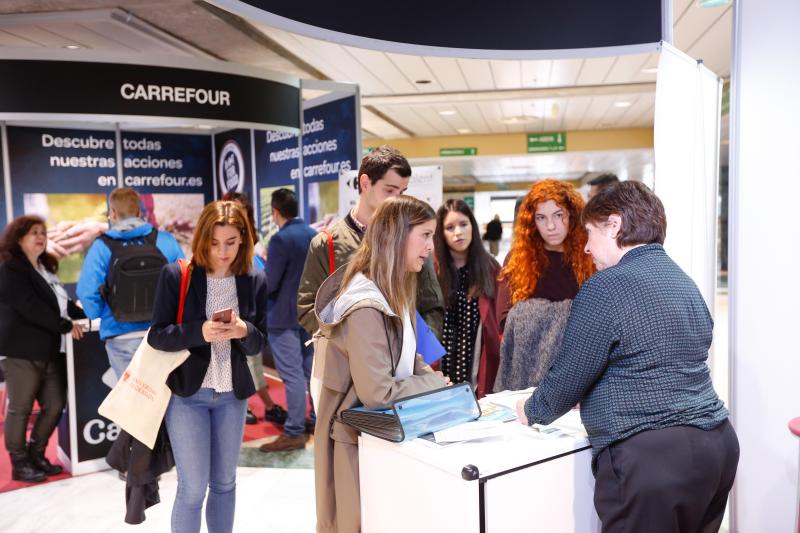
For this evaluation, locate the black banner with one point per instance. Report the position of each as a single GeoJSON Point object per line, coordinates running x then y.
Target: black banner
{"type": "Point", "coordinates": [93, 381]}
{"type": "Point", "coordinates": [511, 25]}
{"type": "Point", "coordinates": [80, 87]}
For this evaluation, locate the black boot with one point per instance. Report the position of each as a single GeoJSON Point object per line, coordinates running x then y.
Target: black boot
{"type": "Point", "coordinates": [23, 469]}
{"type": "Point", "coordinates": [39, 461]}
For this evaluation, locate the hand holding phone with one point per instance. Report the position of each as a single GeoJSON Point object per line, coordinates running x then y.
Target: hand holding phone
{"type": "Point", "coordinates": [223, 315]}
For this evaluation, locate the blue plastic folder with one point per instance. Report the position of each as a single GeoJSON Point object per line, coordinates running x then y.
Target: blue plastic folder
{"type": "Point", "coordinates": [424, 413]}
{"type": "Point", "coordinates": [428, 346]}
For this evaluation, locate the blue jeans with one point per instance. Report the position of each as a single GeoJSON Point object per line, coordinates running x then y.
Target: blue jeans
{"type": "Point", "coordinates": [120, 352]}
{"type": "Point", "coordinates": [205, 430]}
{"type": "Point", "coordinates": [293, 359]}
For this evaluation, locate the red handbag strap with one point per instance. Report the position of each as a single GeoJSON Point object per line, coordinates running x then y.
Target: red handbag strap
{"type": "Point", "coordinates": [331, 261]}
{"type": "Point", "coordinates": [185, 277]}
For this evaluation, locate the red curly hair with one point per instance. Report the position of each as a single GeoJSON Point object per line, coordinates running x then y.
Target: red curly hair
{"type": "Point", "coordinates": [527, 259]}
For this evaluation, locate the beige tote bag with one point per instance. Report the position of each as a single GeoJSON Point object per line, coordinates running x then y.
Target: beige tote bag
{"type": "Point", "coordinates": [139, 400]}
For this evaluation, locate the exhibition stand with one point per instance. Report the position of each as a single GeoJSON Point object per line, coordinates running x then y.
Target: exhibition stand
{"type": "Point", "coordinates": [182, 132]}
{"type": "Point", "coordinates": [519, 481]}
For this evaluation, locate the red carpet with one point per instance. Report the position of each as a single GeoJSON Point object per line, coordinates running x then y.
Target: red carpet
{"type": "Point", "coordinates": [252, 432]}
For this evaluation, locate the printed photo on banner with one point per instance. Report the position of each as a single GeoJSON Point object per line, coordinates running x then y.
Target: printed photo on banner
{"type": "Point", "coordinates": [73, 222]}
{"type": "Point", "coordinates": [175, 213]}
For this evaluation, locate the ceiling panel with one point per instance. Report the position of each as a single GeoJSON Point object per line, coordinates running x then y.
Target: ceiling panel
{"type": "Point", "coordinates": [88, 37]}
{"type": "Point", "coordinates": [348, 65]}
{"type": "Point", "coordinates": [477, 73]}
{"type": "Point", "coordinates": [10, 39]}
{"type": "Point", "coordinates": [415, 68]}
{"type": "Point", "coordinates": [407, 118]}
{"type": "Point", "coordinates": [714, 46]}
{"type": "Point", "coordinates": [454, 122]}
{"type": "Point", "coordinates": [595, 70]}
{"type": "Point", "coordinates": [431, 115]}
{"type": "Point", "coordinates": [627, 69]}
{"type": "Point", "coordinates": [506, 74]}
{"type": "Point", "coordinates": [536, 73]}
{"type": "Point", "coordinates": [385, 70]}
{"type": "Point", "coordinates": [565, 72]}
{"type": "Point", "coordinates": [473, 117]}
{"type": "Point", "coordinates": [695, 23]}
{"type": "Point", "coordinates": [292, 42]}
{"type": "Point", "coordinates": [680, 8]}
{"type": "Point", "coordinates": [447, 72]}
{"type": "Point", "coordinates": [640, 106]}
{"type": "Point", "coordinates": [512, 108]}
{"type": "Point", "coordinates": [551, 115]}
{"type": "Point", "coordinates": [493, 114]}
{"type": "Point", "coordinates": [39, 36]}
{"type": "Point", "coordinates": [576, 108]}
{"type": "Point", "coordinates": [378, 127]}
{"type": "Point", "coordinates": [596, 111]}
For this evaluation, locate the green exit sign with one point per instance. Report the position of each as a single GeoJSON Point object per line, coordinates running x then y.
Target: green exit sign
{"type": "Point", "coordinates": [447, 152]}
{"type": "Point", "coordinates": [547, 142]}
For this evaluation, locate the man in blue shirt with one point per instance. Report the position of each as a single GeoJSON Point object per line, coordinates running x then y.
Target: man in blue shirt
{"type": "Point", "coordinates": [634, 356]}
{"type": "Point", "coordinates": [286, 255]}
{"type": "Point", "coordinates": [121, 338]}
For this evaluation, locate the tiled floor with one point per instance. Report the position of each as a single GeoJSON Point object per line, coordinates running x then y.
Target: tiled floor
{"type": "Point", "coordinates": [267, 499]}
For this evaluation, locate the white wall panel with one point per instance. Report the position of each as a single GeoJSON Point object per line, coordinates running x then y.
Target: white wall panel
{"type": "Point", "coordinates": [764, 292]}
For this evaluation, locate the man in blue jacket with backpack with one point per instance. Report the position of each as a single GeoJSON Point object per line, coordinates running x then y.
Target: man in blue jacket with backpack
{"type": "Point", "coordinates": [119, 276]}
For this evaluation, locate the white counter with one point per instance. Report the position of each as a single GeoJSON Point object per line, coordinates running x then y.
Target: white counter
{"type": "Point", "coordinates": [519, 481]}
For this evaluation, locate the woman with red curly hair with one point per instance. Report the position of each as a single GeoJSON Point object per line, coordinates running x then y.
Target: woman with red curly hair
{"type": "Point", "coordinates": [542, 274]}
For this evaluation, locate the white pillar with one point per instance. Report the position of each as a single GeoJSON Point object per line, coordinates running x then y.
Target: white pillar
{"type": "Point", "coordinates": [763, 262]}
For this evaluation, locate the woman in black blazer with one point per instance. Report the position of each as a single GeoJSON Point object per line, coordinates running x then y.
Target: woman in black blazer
{"type": "Point", "coordinates": [205, 417]}
{"type": "Point", "coordinates": [34, 311]}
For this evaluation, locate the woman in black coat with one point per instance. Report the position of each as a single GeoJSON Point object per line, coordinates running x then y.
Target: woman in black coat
{"type": "Point", "coordinates": [34, 317]}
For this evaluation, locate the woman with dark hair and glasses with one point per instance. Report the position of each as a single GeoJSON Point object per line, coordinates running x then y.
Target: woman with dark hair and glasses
{"type": "Point", "coordinates": [634, 356]}
{"type": "Point", "coordinates": [35, 313]}
{"type": "Point", "coordinates": [468, 278]}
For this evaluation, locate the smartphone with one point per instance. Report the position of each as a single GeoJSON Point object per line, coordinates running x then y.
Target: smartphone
{"type": "Point", "coordinates": [223, 315]}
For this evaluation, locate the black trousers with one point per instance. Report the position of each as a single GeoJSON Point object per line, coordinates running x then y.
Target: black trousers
{"type": "Point", "coordinates": [667, 480]}
{"type": "Point", "coordinates": [26, 381]}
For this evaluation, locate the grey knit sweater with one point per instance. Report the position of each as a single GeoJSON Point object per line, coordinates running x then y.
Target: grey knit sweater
{"type": "Point", "coordinates": [532, 336]}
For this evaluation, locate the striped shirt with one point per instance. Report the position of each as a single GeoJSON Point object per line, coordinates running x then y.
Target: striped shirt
{"type": "Point", "coordinates": [634, 353]}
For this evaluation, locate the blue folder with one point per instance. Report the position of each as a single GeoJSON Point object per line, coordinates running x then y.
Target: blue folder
{"type": "Point", "coordinates": [428, 346]}
{"type": "Point", "coordinates": [424, 413]}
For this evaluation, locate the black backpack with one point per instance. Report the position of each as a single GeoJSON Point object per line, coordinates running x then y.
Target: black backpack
{"type": "Point", "coordinates": [133, 272]}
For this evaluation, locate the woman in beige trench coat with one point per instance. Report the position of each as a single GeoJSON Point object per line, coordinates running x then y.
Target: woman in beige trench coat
{"type": "Point", "coordinates": [366, 348]}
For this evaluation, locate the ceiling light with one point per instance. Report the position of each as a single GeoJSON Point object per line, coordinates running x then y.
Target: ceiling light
{"type": "Point", "coordinates": [464, 130]}
{"type": "Point", "coordinates": [447, 112]}
{"type": "Point", "coordinates": [72, 46]}
{"type": "Point", "coordinates": [520, 119]}
{"type": "Point", "coordinates": [713, 3]}
{"type": "Point", "coordinates": [650, 70]}
{"type": "Point", "coordinates": [422, 82]}
{"type": "Point", "coordinates": [622, 104]}
{"type": "Point", "coordinates": [204, 127]}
